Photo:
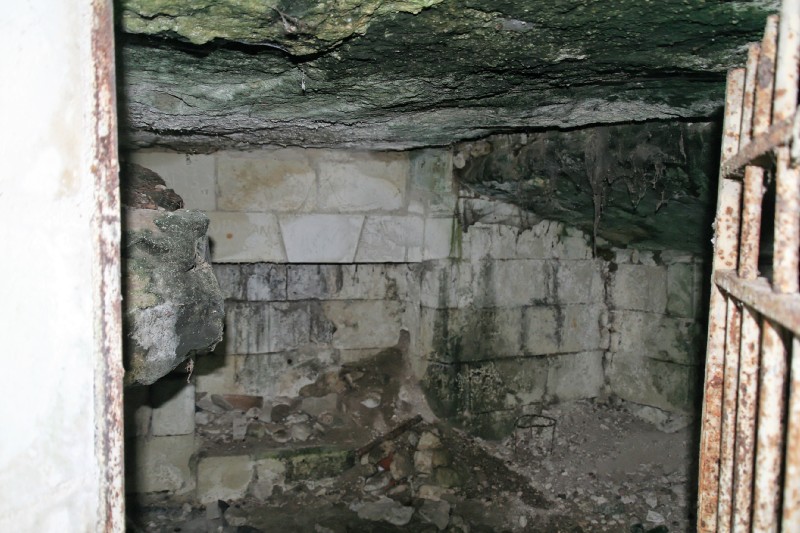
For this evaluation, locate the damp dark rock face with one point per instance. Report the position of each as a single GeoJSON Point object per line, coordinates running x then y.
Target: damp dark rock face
{"type": "Point", "coordinates": [173, 306]}
{"type": "Point", "coordinates": [410, 73]}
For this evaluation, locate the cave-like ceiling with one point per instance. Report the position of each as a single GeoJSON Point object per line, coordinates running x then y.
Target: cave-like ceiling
{"type": "Point", "coordinates": [206, 74]}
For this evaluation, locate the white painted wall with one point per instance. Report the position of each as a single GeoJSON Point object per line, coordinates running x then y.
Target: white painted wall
{"type": "Point", "coordinates": [48, 471]}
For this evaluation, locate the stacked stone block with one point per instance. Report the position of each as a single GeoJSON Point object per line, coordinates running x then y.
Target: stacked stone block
{"type": "Point", "coordinates": [292, 205]}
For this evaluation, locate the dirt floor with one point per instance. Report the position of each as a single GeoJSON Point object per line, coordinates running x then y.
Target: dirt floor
{"type": "Point", "coordinates": [598, 468]}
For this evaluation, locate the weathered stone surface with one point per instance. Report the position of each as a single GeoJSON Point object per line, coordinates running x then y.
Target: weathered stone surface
{"type": "Point", "coordinates": [658, 383]}
{"type": "Point", "coordinates": [192, 176]}
{"type": "Point", "coordinates": [391, 239]}
{"type": "Point", "coordinates": [173, 407]}
{"type": "Point", "coordinates": [325, 73]}
{"type": "Point", "coordinates": [173, 304]}
{"type": "Point", "coordinates": [321, 238]}
{"type": "Point", "coordinates": [223, 478]}
{"type": "Point", "coordinates": [362, 181]}
{"type": "Point", "coordinates": [639, 287]}
{"type": "Point", "coordinates": [160, 464]}
{"type": "Point", "coordinates": [245, 237]}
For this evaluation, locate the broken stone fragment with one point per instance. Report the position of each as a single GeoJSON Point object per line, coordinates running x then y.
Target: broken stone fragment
{"type": "Point", "coordinates": [436, 512]}
{"type": "Point", "coordinates": [173, 306]}
{"type": "Point", "coordinates": [385, 509]}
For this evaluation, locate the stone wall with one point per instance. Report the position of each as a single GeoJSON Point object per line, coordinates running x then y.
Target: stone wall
{"type": "Point", "coordinates": [496, 312]}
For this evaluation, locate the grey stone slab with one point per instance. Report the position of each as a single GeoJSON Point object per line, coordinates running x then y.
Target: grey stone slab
{"type": "Point", "coordinates": [277, 181]}
{"type": "Point", "coordinates": [321, 238]}
{"type": "Point", "coordinates": [639, 287]}
{"type": "Point", "coordinates": [366, 323]}
{"type": "Point", "coordinates": [245, 237]}
{"type": "Point", "coordinates": [289, 325]}
{"type": "Point", "coordinates": [157, 464]}
{"type": "Point", "coordinates": [680, 289]}
{"type": "Point", "coordinates": [669, 386]}
{"type": "Point", "coordinates": [224, 478]}
{"type": "Point", "coordinates": [673, 339]}
{"type": "Point", "coordinates": [265, 282]}
{"type": "Point", "coordinates": [541, 330]}
{"type": "Point", "coordinates": [359, 182]}
{"type": "Point", "coordinates": [579, 281]}
{"type": "Point", "coordinates": [512, 283]}
{"type": "Point", "coordinates": [391, 239]}
{"type": "Point", "coordinates": [247, 329]}
{"type": "Point", "coordinates": [581, 327]}
{"type": "Point", "coordinates": [575, 376]}
{"type": "Point", "coordinates": [173, 407]}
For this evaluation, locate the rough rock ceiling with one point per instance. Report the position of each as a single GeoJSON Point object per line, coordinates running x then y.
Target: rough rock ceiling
{"type": "Point", "coordinates": [205, 74]}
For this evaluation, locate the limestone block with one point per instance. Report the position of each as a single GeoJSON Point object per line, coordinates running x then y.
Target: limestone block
{"type": "Point", "coordinates": [460, 335]}
{"type": "Point", "coordinates": [505, 384]}
{"type": "Point", "coordinates": [247, 327]}
{"type": "Point", "coordinates": [245, 238]}
{"type": "Point", "coordinates": [215, 373]}
{"type": "Point", "coordinates": [276, 181]}
{"type": "Point", "coordinates": [137, 411]}
{"type": "Point", "coordinates": [573, 244]}
{"type": "Point", "coordinates": [387, 239]}
{"type": "Point", "coordinates": [365, 324]}
{"type": "Point", "coordinates": [579, 281]}
{"type": "Point", "coordinates": [321, 238]}
{"type": "Point", "coordinates": [575, 376]}
{"type": "Point", "coordinates": [438, 237]}
{"type": "Point", "coordinates": [352, 282]}
{"type": "Point", "coordinates": [173, 407]}
{"type": "Point", "coordinates": [680, 289]}
{"type": "Point", "coordinates": [223, 478]}
{"type": "Point", "coordinates": [673, 339]}
{"type": "Point", "coordinates": [230, 278]}
{"type": "Point", "coordinates": [284, 373]}
{"type": "Point", "coordinates": [581, 327]}
{"type": "Point", "coordinates": [265, 282]}
{"type": "Point", "coordinates": [172, 302]}
{"type": "Point", "coordinates": [447, 283]}
{"type": "Point", "coordinates": [358, 182]}
{"type": "Point", "coordinates": [157, 464]}
{"type": "Point", "coordinates": [289, 326]}
{"type": "Point", "coordinates": [541, 330]}
{"type": "Point", "coordinates": [639, 287]}
{"type": "Point", "coordinates": [512, 283]}
{"type": "Point", "coordinates": [669, 386]}
{"type": "Point", "coordinates": [432, 176]}
{"type": "Point", "coordinates": [270, 473]}
{"type": "Point", "coordinates": [191, 176]}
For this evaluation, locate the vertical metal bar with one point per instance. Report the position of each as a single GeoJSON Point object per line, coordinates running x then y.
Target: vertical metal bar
{"type": "Point", "coordinates": [107, 293]}
{"type": "Point", "coordinates": [770, 434]}
{"type": "Point", "coordinates": [726, 233]}
{"type": "Point", "coordinates": [791, 490]}
{"type": "Point", "coordinates": [730, 394]}
{"type": "Point", "coordinates": [750, 345]}
{"type": "Point", "coordinates": [728, 428]}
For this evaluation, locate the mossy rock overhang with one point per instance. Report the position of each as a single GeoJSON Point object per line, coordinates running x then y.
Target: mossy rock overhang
{"type": "Point", "coordinates": [396, 74]}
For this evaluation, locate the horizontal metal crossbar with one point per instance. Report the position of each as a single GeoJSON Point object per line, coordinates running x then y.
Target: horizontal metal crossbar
{"type": "Point", "coordinates": [758, 150]}
{"type": "Point", "coordinates": [783, 309]}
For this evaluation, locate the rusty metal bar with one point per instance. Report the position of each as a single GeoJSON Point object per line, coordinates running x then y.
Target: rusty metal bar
{"type": "Point", "coordinates": [730, 391]}
{"type": "Point", "coordinates": [728, 427]}
{"type": "Point", "coordinates": [780, 308]}
{"type": "Point", "coordinates": [791, 489]}
{"type": "Point", "coordinates": [746, 420]}
{"type": "Point", "coordinates": [769, 439]}
{"type": "Point", "coordinates": [759, 151]}
{"type": "Point", "coordinates": [106, 272]}
{"type": "Point", "coordinates": [726, 235]}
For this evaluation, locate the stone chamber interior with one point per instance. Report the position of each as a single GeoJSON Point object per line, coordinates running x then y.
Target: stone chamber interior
{"type": "Point", "coordinates": [418, 265]}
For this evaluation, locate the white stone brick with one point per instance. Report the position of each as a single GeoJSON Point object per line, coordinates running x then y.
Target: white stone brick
{"type": "Point", "coordinates": [447, 284]}
{"type": "Point", "coordinates": [365, 324]}
{"type": "Point", "coordinates": [321, 238]}
{"type": "Point", "coordinates": [680, 289]}
{"type": "Point", "coordinates": [289, 326]}
{"type": "Point", "coordinates": [581, 327]}
{"type": "Point", "coordinates": [191, 176]}
{"type": "Point", "coordinates": [245, 238]}
{"type": "Point", "coordinates": [658, 336]}
{"type": "Point", "coordinates": [390, 239]}
{"type": "Point", "coordinates": [666, 385]}
{"type": "Point", "coordinates": [541, 330]}
{"type": "Point", "coordinates": [247, 327]}
{"type": "Point", "coordinates": [278, 181]}
{"type": "Point", "coordinates": [265, 282]}
{"type": "Point", "coordinates": [579, 281]}
{"type": "Point", "coordinates": [157, 464]}
{"type": "Point", "coordinates": [358, 182]}
{"type": "Point", "coordinates": [284, 374]}
{"type": "Point", "coordinates": [573, 244]}
{"type": "Point", "coordinates": [352, 282]}
{"type": "Point", "coordinates": [512, 283]}
{"type": "Point", "coordinates": [215, 373]}
{"type": "Point", "coordinates": [173, 407]}
{"type": "Point", "coordinates": [575, 376]}
{"type": "Point", "coordinates": [438, 236]}
{"type": "Point", "coordinates": [223, 478]}
{"type": "Point", "coordinates": [639, 287]}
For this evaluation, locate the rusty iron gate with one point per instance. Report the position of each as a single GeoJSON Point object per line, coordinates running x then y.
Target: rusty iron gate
{"type": "Point", "coordinates": [749, 477]}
